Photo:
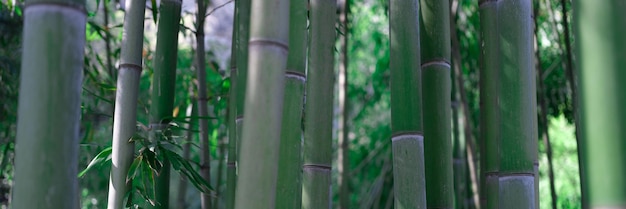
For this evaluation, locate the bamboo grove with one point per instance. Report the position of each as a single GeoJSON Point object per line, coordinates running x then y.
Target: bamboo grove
{"type": "Point", "coordinates": [312, 104]}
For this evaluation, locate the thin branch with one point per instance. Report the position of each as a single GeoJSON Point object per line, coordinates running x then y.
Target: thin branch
{"type": "Point", "coordinates": [216, 8]}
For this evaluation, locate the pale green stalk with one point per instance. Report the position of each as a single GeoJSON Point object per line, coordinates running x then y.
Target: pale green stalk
{"type": "Point", "coordinates": [268, 49]}
{"type": "Point", "coordinates": [125, 118]}
{"type": "Point", "coordinates": [600, 48]}
{"type": "Point", "coordinates": [46, 161]}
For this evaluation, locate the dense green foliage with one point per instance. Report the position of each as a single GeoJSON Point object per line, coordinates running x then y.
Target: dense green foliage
{"type": "Point", "coordinates": [370, 178]}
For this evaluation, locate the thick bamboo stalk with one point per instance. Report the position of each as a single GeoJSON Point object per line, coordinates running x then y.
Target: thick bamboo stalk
{"type": "Point", "coordinates": [435, 66]}
{"type": "Point", "coordinates": [406, 105]}
{"type": "Point", "coordinates": [125, 118]}
{"type": "Point", "coordinates": [231, 169]}
{"type": "Point", "coordinates": [600, 48]}
{"type": "Point", "coordinates": [268, 49]}
{"type": "Point", "coordinates": [318, 118]}
{"type": "Point", "coordinates": [49, 105]}
{"type": "Point", "coordinates": [517, 106]}
{"type": "Point", "coordinates": [243, 37]}
{"type": "Point", "coordinates": [489, 114]}
{"type": "Point", "coordinates": [289, 184]}
{"type": "Point", "coordinates": [163, 83]}
{"type": "Point", "coordinates": [205, 155]}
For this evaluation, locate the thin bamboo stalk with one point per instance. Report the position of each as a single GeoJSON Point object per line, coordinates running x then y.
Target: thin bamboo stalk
{"type": "Point", "coordinates": [231, 169]}
{"type": "Point", "coordinates": [318, 118]}
{"type": "Point", "coordinates": [489, 114]}
{"type": "Point", "coordinates": [205, 155]}
{"type": "Point", "coordinates": [436, 88]}
{"type": "Point", "coordinates": [125, 118]}
{"type": "Point", "coordinates": [49, 105]}
{"type": "Point", "coordinates": [289, 184]}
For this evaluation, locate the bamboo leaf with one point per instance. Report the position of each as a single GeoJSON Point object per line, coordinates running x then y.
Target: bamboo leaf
{"type": "Point", "coordinates": [155, 11]}
{"type": "Point", "coordinates": [102, 157]}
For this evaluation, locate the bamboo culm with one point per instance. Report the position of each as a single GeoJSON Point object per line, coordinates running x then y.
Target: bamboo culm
{"type": "Point", "coordinates": [46, 150]}
{"type": "Point", "coordinates": [125, 118]}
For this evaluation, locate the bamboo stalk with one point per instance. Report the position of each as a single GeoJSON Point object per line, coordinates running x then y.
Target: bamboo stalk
{"type": "Point", "coordinates": [435, 67]}
{"type": "Point", "coordinates": [231, 169]}
{"type": "Point", "coordinates": [600, 47]}
{"type": "Point", "coordinates": [289, 183]}
{"type": "Point", "coordinates": [125, 119]}
{"type": "Point", "coordinates": [406, 105]}
{"type": "Point", "coordinates": [489, 114]}
{"type": "Point", "coordinates": [517, 106]}
{"type": "Point", "coordinates": [268, 49]}
{"type": "Point", "coordinates": [205, 155]}
{"type": "Point", "coordinates": [163, 83]}
{"type": "Point", "coordinates": [317, 165]}
{"type": "Point", "coordinates": [49, 105]}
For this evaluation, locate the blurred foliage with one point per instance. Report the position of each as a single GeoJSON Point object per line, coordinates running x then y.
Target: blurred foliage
{"type": "Point", "coordinates": [371, 179]}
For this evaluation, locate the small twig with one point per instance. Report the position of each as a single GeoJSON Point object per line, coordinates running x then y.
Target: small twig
{"type": "Point", "coordinates": [216, 8]}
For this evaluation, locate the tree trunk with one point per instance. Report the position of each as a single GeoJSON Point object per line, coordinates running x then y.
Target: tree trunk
{"type": "Point", "coordinates": [268, 49]}
{"type": "Point", "coordinates": [289, 185]}
{"type": "Point", "coordinates": [125, 119]}
{"type": "Point", "coordinates": [205, 155]}
{"type": "Point", "coordinates": [406, 105]}
{"type": "Point", "coordinates": [600, 48]}
{"type": "Point", "coordinates": [49, 105]}
{"type": "Point", "coordinates": [318, 135]}
{"type": "Point", "coordinates": [435, 66]}
{"type": "Point", "coordinates": [163, 83]}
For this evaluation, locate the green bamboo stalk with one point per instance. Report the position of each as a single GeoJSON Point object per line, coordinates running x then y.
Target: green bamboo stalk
{"type": "Point", "coordinates": [599, 28]}
{"type": "Point", "coordinates": [243, 37]}
{"type": "Point", "coordinates": [489, 114]}
{"type": "Point", "coordinates": [289, 184]}
{"type": "Point", "coordinates": [517, 105]}
{"type": "Point", "coordinates": [318, 118]}
{"type": "Point", "coordinates": [406, 105]}
{"type": "Point", "coordinates": [125, 118]}
{"type": "Point", "coordinates": [268, 49]}
{"type": "Point", "coordinates": [163, 83]}
{"type": "Point", "coordinates": [49, 105]}
{"type": "Point", "coordinates": [231, 169]}
{"type": "Point", "coordinates": [435, 65]}
{"type": "Point", "coordinates": [205, 155]}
